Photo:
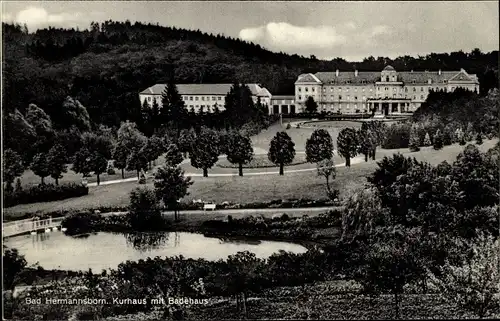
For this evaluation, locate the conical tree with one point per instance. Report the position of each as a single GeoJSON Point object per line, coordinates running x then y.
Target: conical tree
{"type": "Point", "coordinates": [438, 140]}
{"type": "Point", "coordinates": [347, 144]}
{"type": "Point", "coordinates": [427, 140]}
{"type": "Point", "coordinates": [479, 139]}
{"type": "Point", "coordinates": [173, 111]}
{"type": "Point", "coordinates": [414, 144]}
{"type": "Point", "coordinates": [281, 150]}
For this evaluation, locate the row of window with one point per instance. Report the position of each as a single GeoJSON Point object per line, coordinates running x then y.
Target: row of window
{"type": "Point", "coordinates": [202, 98]}
{"type": "Point", "coordinates": [363, 98]}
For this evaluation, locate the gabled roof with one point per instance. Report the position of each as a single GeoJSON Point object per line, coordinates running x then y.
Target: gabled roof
{"type": "Point", "coordinates": [205, 89]}
{"type": "Point", "coordinates": [370, 77]}
{"type": "Point", "coordinates": [308, 78]}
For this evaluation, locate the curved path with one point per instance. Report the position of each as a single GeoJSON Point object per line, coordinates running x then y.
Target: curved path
{"type": "Point", "coordinates": [233, 171]}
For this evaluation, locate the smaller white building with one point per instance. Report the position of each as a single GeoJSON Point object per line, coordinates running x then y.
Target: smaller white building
{"type": "Point", "coordinates": [283, 104]}
{"type": "Point", "coordinates": [204, 97]}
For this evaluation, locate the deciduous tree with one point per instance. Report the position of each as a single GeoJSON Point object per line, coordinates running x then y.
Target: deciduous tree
{"type": "Point", "coordinates": [40, 166]}
{"type": "Point", "coordinates": [319, 146]}
{"type": "Point", "coordinates": [137, 161]}
{"type": "Point", "coordinates": [144, 211]}
{"type": "Point", "coordinates": [173, 157]}
{"type": "Point", "coordinates": [13, 167]}
{"type": "Point", "coordinates": [475, 283]}
{"type": "Point", "coordinates": [81, 162]}
{"type": "Point", "coordinates": [326, 168]}
{"type": "Point", "coordinates": [205, 152]}
{"type": "Point", "coordinates": [74, 113]}
{"type": "Point", "coordinates": [347, 144]}
{"type": "Point", "coordinates": [239, 151]}
{"type": "Point", "coordinates": [120, 155]}
{"type": "Point", "coordinates": [281, 150]}
{"type": "Point", "coordinates": [171, 185]}
{"type": "Point", "coordinates": [57, 160]}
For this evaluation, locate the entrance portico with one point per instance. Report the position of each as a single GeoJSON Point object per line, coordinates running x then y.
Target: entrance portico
{"type": "Point", "coordinates": [388, 106]}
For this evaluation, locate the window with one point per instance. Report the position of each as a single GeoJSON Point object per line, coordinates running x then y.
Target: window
{"type": "Point", "coordinates": [422, 97]}
{"type": "Point", "coordinates": [414, 97]}
{"type": "Point", "coordinates": [307, 89]}
{"type": "Point", "coordinates": [340, 88]}
{"type": "Point", "coordinates": [196, 98]}
{"type": "Point", "coordinates": [197, 106]}
{"type": "Point", "coordinates": [421, 88]}
{"type": "Point", "coordinates": [331, 89]}
{"type": "Point", "coordinates": [413, 81]}
{"type": "Point", "coordinates": [340, 97]}
{"type": "Point", "coordinates": [300, 97]}
{"type": "Point", "coordinates": [218, 98]}
{"type": "Point", "coordinates": [386, 88]}
{"type": "Point", "coordinates": [414, 89]}
{"type": "Point", "coordinates": [202, 106]}
{"type": "Point", "coordinates": [149, 98]}
{"type": "Point", "coordinates": [312, 89]}
{"type": "Point", "coordinates": [190, 97]}
{"type": "Point", "coordinates": [300, 89]}
{"type": "Point", "coordinates": [406, 89]}
{"type": "Point", "coordinates": [202, 98]}
{"type": "Point", "coordinates": [213, 97]}
{"type": "Point", "coordinates": [355, 97]}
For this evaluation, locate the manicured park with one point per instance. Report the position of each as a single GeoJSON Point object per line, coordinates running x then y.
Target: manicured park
{"type": "Point", "coordinates": [246, 189]}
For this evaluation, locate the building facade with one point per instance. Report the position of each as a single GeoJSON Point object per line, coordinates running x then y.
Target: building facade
{"type": "Point", "coordinates": [203, 97]}
{"type": "Point", "coordinates": [384, 92]}
{"type": "Point", "coordinates": [283, 105]}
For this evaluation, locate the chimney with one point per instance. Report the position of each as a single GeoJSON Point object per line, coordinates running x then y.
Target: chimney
{"type": "Point", "coordinates": [439, 72]}
{"type": "Point", "coordinates": [355, 73]}
{"type": "Point", "coordinates": [337, 73]}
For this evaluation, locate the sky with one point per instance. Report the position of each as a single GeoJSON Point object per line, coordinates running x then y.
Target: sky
{"type": "Point", "coordinates": [350, 30]}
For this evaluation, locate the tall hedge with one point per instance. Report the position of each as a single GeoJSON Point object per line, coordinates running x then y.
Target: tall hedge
{"type": "Point", "coordinates": [44, 193]}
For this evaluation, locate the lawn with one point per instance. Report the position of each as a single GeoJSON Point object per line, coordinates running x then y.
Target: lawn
{"type": "Point", "coordinates": [247, 188]}
{"type": "Point", "coordinates": [298, 135]}
{"type": "Point", "coordinates": [260, 161]}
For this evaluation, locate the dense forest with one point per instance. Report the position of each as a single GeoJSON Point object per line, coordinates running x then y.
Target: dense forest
{"type": "Point", "coordinates": [105, 66]}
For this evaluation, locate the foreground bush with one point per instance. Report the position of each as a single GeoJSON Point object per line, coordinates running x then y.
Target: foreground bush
{"type": "Point", "coordinates": [44, 193]}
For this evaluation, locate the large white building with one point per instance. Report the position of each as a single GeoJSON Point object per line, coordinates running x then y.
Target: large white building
{"type": "Point", "coordinates": [385, 92]}
{"type": "Point", "coordinates": [203, 96]}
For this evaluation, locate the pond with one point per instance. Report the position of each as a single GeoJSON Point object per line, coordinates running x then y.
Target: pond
{"type": "Point", "coordinates": [104, 250]}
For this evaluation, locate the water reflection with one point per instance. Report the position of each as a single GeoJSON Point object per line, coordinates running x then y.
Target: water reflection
{"type": "Point", "coordinates": [147, 241]}
{"type": "Point", "coordinates": [103, 250]}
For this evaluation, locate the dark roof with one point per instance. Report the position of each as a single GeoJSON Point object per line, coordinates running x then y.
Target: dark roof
{"type": "Point", "coordinates": [204, 89]}
{"type": "Point", "coordinates": [370, 77]}
{"type": "Point", "coordinates": [389, 68]}
{"type": "Point", "coordinates": [283, 97]}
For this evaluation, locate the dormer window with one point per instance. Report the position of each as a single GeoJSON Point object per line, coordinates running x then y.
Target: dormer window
{"type": "Point", "coordinates": [413, 81]}
{"type": "Point", "coordinates": [445, 81]}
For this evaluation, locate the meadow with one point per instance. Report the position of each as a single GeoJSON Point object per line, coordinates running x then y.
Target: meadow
{"type": "Point", "coordinates": [248, 189]}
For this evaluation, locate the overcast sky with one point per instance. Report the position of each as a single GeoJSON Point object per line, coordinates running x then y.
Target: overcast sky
{"type": "Point", "coordinates": [351, 30]}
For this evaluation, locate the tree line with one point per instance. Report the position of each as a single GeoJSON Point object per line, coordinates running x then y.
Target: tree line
{"type": "Point", "coordinates": [105, 66]}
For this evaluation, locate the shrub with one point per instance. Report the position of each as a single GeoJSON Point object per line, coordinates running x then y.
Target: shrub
{"type": "Point", "coordinates": [142, 178]}
{"type": "Point", "coordinates": [397, 136]}
{"type": "Point", "coordinates": [111, 170]}
{"type": "Point", "coordinates": [427, 140]}
{"type": "Point", "coordinates": [44, 193]}
{"type": "Point", "coordinates": [438, 140]}
{"type": "Point", "coordinates": [288, 126]}
{"type": "Point", "coordinates": [78, 223]}
{"type": "Point", "coordinates": [479, 139]}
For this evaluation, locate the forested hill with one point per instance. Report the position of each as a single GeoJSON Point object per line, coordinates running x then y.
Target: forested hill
{"type": "Point", "coordinates": [105, 66]}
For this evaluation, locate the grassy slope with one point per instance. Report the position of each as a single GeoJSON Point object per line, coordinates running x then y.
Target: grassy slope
{"type": "Point", "coordinates": [248, 188]}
